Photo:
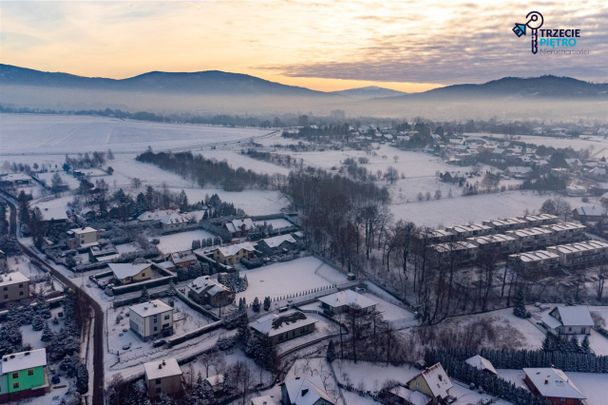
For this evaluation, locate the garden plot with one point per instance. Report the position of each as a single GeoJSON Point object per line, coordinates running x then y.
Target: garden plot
{"type": "Point", "coordinates": [127, 248]}
{"type": "Point", "coordinates": [178, 242]}
{"type": "Point", "coordinates": [253, 202]}
{"type": "Point", "coordinates": [128, 346]}
{"type": "Point", "coordinates": [55, 208]}
{"type": "Point", "coordinates": [288, 278]}
{"type": "Point", "coordinates": [23, 133]}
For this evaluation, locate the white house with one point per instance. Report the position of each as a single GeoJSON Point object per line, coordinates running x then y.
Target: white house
{"type": "Point", "coordinates": [151, 319]}
{"type": "Point", "coordinates": [569, 320]}
{"type": "Point", "coordinates": [481, 363]}
{"type": "Point", "coordinates": [345, 300]}
{"type": "Point", "coordinates": [433, 382]}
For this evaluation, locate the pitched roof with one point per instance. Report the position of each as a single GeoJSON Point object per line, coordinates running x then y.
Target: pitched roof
{"type": "Point", "coordinates": [303, 391]}
{"type": "Point", "coordinates": [276, 241]}
{"type": "Point", "coordinates": [349, 298]}
{"type": "Point", "coordinates": [124, 270]}
{"type": "Point", "coordinates": [275, 324]}
{"type": "Point", "coordinates": [23, 360]}
{"type": "Point", "coordinates": [481, 363]}
{"type": "Point", "coordinates": [231, 250]}
{"type": "Point", "coordinates": [208, 285]}
{"type": "Point", "coordinates": [553, 382]}
{"type": "Point", "coordinates": [437, 380]}
{"type": "Point", "coordinates": [150, 308]}
{"type": "Point", "coordinates": [574, 316]}
{"type": "Point", "coordinates": [236, 225]}
{"type": "Point", "coordinates": [162, 368]}
{"type": "Point", "coordinates": [412, 397]}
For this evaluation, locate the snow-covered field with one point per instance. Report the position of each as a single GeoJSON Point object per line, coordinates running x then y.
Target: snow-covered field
{"type": "Point", "coordinates": [461, 210]}
{"type": "Point", "coordinates": [280, 279]}
{"type": "Point", "coordinates": [236, 159]}
{"type": "Point", "coordinates": [178, 242]}
{"type": "Point", "coordinates": [29, 133]}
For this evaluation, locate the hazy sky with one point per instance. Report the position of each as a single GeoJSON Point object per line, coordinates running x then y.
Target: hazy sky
{"type": "Point", "coordinates": [404, 44]}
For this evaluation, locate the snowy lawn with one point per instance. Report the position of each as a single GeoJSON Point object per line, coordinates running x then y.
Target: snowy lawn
{"type": "Point", "coordinates": [280, 279]}
{"type": "Point", "coordinates": [177, 242]}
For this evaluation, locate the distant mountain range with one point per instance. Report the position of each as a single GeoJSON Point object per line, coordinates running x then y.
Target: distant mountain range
{"type": "Point", "coordinates": [214, 82]}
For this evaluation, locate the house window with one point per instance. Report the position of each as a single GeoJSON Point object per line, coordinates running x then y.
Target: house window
{"type": "Point", "coordinates": [30, 372]}
{"type": "Point", "coordinates": [157, 381]}
{"type": "Point", "coordinates": [155, 329]}
{"type": "Point", "coordinates": [167, 317]}
{"type": "Point", "coordinates": [158, 390]}
{"type": "Point", "coordinates": [15, 375]}
{"type": "Point", "coordinates": [16, 385]}
{"type": "Point", "coordinates": [21, 293]}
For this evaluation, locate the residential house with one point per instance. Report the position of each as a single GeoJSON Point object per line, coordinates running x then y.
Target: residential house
{"type": "Point", "coordinates": [346, 300]}
{"type": "Point", "coordinates": [163, 377]}
{"type": "Point", "coordinates": [103, 253]}
{"type": "Point", "coordinates": [207, 291]}
{"type": "Point", "coordinates": [459, 253]}
{"type": "Point", "coordinates": [532, 238]}
{"type": "Point", "coordinates": [233, 254]}
{"type": "Point", "coordinates": [127, 273]}
{"type": "Point", "coordinates": [23, 375]}
{"type": "Point", "coordinates": [85, 236]}
{"type": "Point", "coordinates": [538, 261]}
{"type": "Point", "coordinates": [300, 390]}
{"type": "Point", "coordinates": [589, 213]}
{"type": "Point", "coordinates": [569, 320]}
{"type": "Point", "coordinates": [183, 259]}
{"type": "Point", "coordinates": [278, 328]}
{"type": "Point", "coordinates": [13, 286]}
{"type": "Point", "coordinates": [553, 385]}
{"type": "Point", "coordinates": [168, 219]}
{"type": "Point", "coordinates": [582, 254]}
{"type": "Point", "coordinates": [566, 232]}
{"type": "Point", "coordinates": [432, 382]}
{"type": "Point", "coordinates": [277, 244]}
{"type": "Point", "coordinates": [239, 227]}
{"type": "Point", "coordinates": [151, 319]}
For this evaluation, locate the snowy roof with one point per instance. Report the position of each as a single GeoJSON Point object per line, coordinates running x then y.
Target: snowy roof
{"type": "Point", "coordinates": [184, 256]}
{"type": "Point", "coordinates": [275, 324]}
{"type": "Point", "coordinates": [437, 380]}
{"type": "Point", "coordinates": [12, 278]}
{"type": "Point", "coordinates": [536, 256]}
{"type": "Point", "coordinates": [231, 250]}
{"type": "Point", "coordinates": [573, 316]}
{"type": "Point", "coordinates": [85, 229]}
{"type": "Point", "coordinates": [566, 226]}
{"type": "Point", "coordinates": [236, 225]}
{"type": "Point", "coordinates": [162, 368]}
{"type": "Point", "coordinates": [302, 391]}
{"type": "Point", "coordinates": [23, 360]}
{"type": "Point", "coordinates": [349, 298]}
{"type": "Point", "coordinates": [480, 363]}
{"type": "Point", "coordinates": [167, 217]}
{"type": "Point", "coordinates": [530, 232]}
{"type": "Point", "coordinates": [150, 308]}
{"type": "Point", "coordinates": [15, 177]}
{"type": "Point", "coordinates": [411, 397]}
{"type": "Point", "coordinates": [276, 241]}
{"type": "Point", "coordinates": [579, 247]}
{"type": "Point", "coordinates": [207, 284]}
{"type": "Point", "coordinates": [590, 210]}
{"type": "Point", "coordinates": [553, 382]}
{"type": "Point", "coordinates": [124, 270]}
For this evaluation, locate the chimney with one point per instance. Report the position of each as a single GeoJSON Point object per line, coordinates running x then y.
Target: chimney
{"type": "Point", "coordinates": [546, 382]}
{"type": "Point", "coordinates": [160, 366]}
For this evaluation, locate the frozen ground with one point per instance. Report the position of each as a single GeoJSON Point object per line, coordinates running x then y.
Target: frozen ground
{"type": "Point", "coordinates": [236, 159]}
{"type": "Point", "coordinates": [461, 210]}
{"type": "Point", "coordinates": [280, 279]}
{"type": "Point", "coordinates": [178, 242]}
{"type": "Point", "coordinates": [24, 133]}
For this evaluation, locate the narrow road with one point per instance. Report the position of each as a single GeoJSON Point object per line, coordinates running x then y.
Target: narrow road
{"type": "Point", "coordinates": [98, 369]}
